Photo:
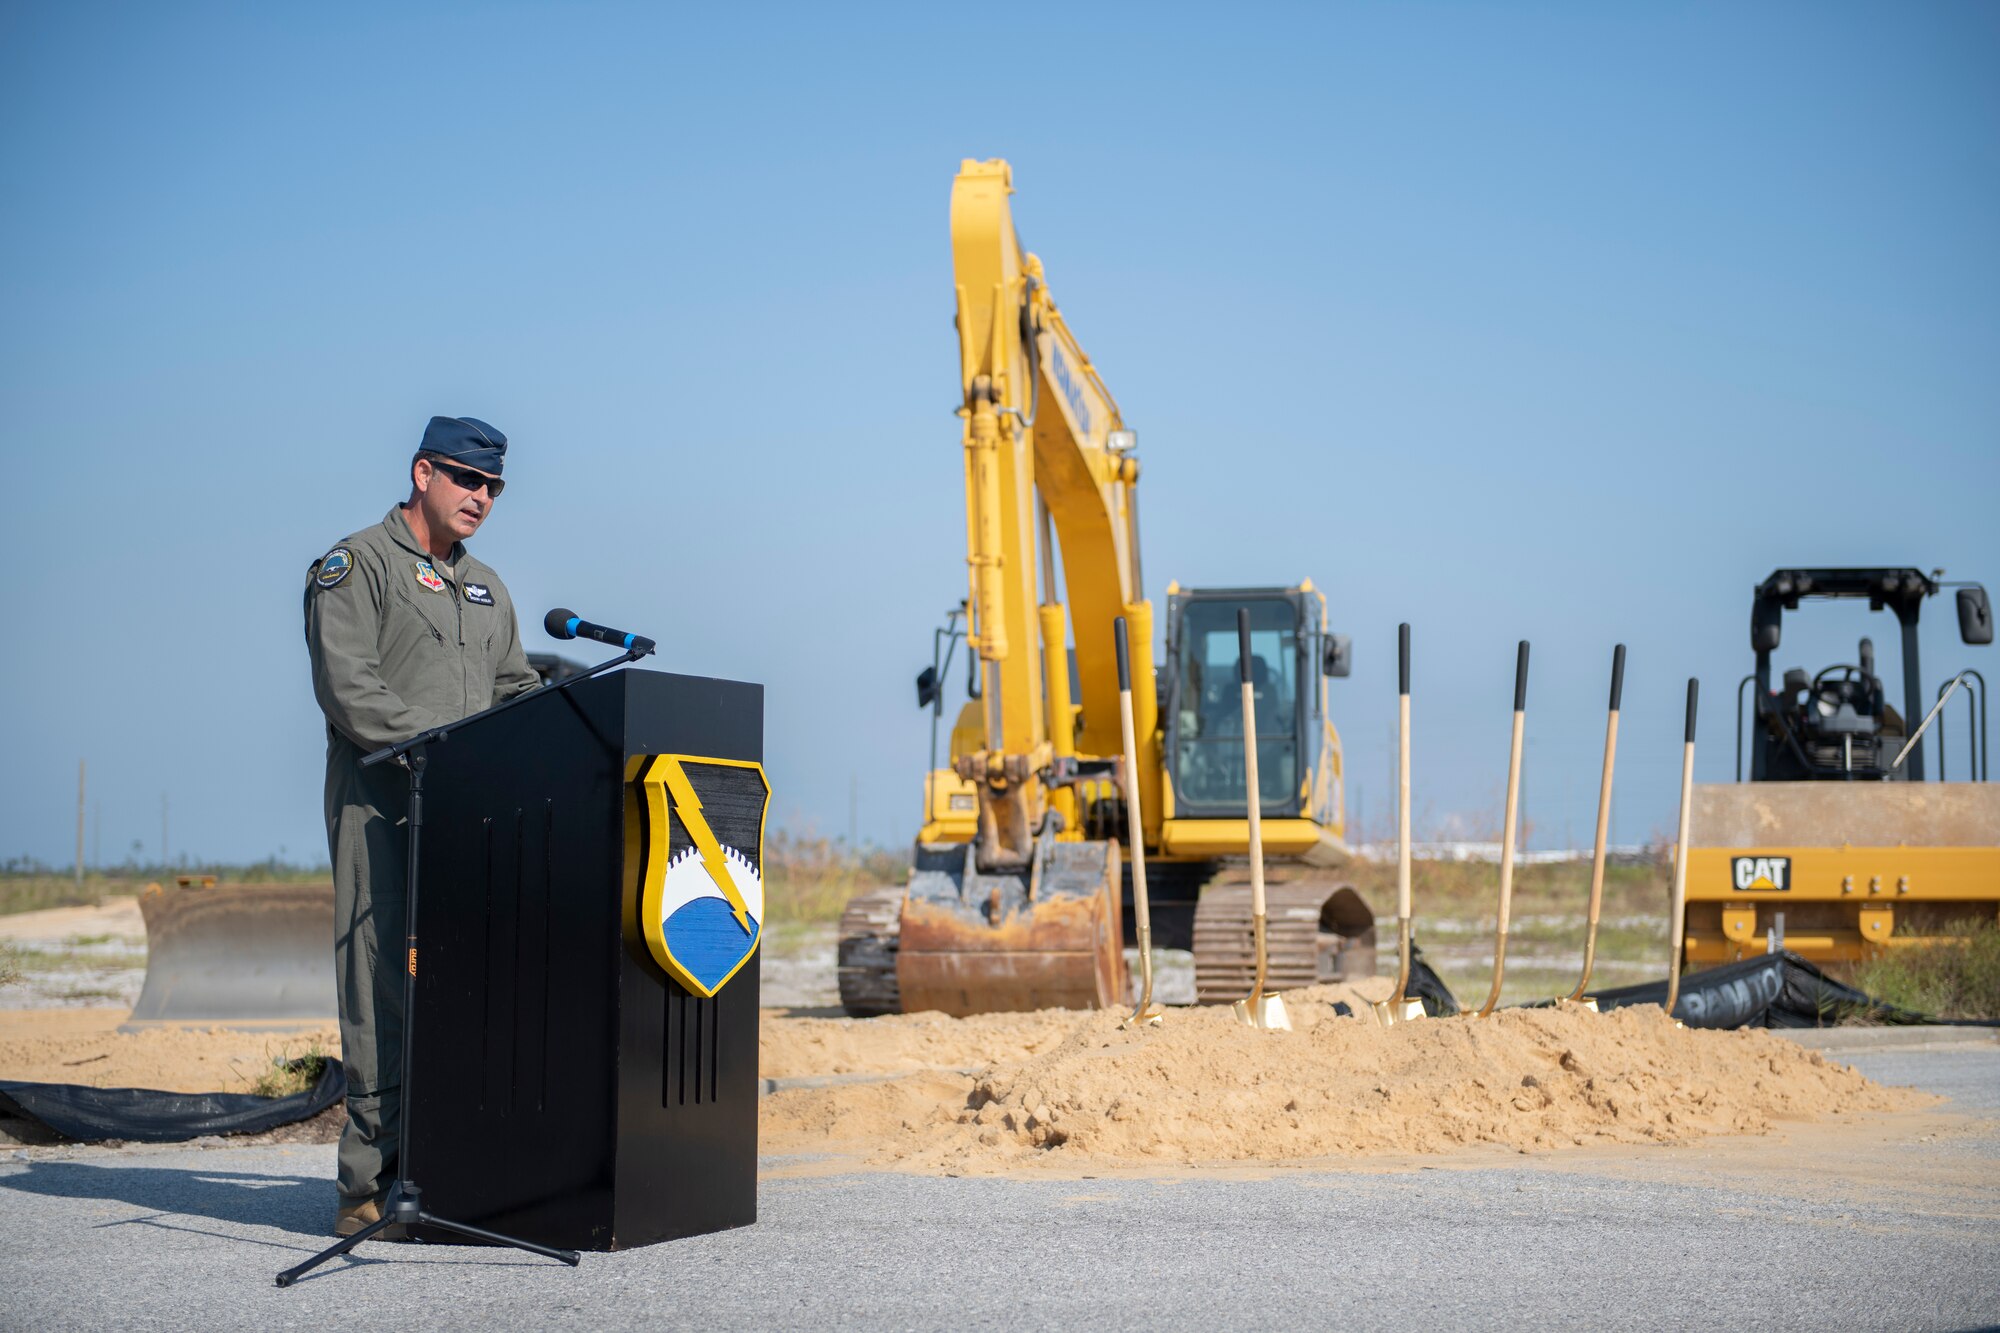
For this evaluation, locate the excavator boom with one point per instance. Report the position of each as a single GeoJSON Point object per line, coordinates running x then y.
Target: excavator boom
{"type": "Point", "coordinates": [1026, 915]}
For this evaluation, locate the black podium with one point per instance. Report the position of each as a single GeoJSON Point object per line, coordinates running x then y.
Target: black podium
{"type": "Point", "coordinates": [568, 1088]}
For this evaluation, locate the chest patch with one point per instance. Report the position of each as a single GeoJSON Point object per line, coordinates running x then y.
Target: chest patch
{"type": "Point", "coordinates": [478, 594]}
{"type": "Point", "coordinates": [429, 577]}
{"type": "Point", "coordinates": [337, 565]}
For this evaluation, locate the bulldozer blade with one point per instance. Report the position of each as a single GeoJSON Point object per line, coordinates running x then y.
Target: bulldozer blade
{"type": "Point", "coordinates": [974, 942]}
{"type": "Point", "coordinates": [255, 956]}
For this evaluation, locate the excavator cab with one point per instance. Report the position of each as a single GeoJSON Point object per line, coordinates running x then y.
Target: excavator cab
{"type": "Point", "coordinates": [1291, 654]}
{"type": "Point", "coordinates": [1319, 928]}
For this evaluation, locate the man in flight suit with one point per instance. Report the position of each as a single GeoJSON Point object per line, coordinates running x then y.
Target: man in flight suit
{"type": "Point", "coordinates": [406, 632]}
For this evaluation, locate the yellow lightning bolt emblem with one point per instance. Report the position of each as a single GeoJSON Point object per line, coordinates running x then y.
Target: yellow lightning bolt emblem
{"type": "Point", "coordinates": [688, 806]}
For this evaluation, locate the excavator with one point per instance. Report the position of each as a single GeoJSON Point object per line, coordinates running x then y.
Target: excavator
{"type": "Point", "coordinates": [1019, 888]}
{"type": "Point", "coordinates": [1837, 847]}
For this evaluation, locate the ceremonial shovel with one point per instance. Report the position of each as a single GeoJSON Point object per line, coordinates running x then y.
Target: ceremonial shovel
{"type": "Point", "coordinates": [1260, 1010]}
{"type": "Point", "coordinates": [1147, 1014]}
{"type": "Point", "coordinates": [1397, 1008]}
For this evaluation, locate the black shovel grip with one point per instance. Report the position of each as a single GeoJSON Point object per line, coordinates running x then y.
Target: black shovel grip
{"type": "Point", "coordinates": [1124, 656]}
{"type": "Point", "coordinates": [1617, 675]}
{"type": "Point", "coordinates": [1521, 679]}
{"type": "Point", "coordinates": [1243, 644]}
{"type": "Point", "coordinates": [1694, 691]}
{"type": "Point", "coordinates": [1403, 658]}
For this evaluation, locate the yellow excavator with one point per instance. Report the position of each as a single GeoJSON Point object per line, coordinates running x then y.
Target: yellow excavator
{"type": "Point", "coordinates": [1017, 895]}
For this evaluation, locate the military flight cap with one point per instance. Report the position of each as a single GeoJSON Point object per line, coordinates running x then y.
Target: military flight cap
{"type": "Point", "coordinates": [467, 441]}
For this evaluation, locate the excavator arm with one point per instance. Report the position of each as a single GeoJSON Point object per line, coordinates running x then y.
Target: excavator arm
{"type": "Point", "coordinates": [1049, 467]}
{"type": "Point", "coordinates": [1028, 915]}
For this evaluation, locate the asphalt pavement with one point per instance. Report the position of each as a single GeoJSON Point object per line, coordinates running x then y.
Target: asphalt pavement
{"type": "Point", "coordinates": [1774, 1232]}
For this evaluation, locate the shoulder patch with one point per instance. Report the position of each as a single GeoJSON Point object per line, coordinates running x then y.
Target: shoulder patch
{"type": "Point", "coordinates": [479, 594]}
{"type": "Point", "coordinates": [334, 566]}
{"type": "Point", "coordinates": [428, 577]}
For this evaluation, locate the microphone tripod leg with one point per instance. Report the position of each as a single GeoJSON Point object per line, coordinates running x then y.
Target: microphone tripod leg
{"type": "Point", "coordinates": [570, 1257]}
{"type": "Point", "coordinates": [334, 1251]}
{"type": "Point", "coordinates": [375, 1228]}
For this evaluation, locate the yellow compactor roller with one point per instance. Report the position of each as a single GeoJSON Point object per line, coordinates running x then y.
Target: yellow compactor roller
{"type": "Point", "coordinates": [1846, 840]}
{"type": "Point", "coordinates": [1016, 897]}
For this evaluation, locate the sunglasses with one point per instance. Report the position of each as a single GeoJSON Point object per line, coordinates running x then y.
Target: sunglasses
{"type": "Point", "coordinates": [467, 479]}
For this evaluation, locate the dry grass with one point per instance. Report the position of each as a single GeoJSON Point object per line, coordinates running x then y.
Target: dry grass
{"type": "Point", "coordinates": [290, 1075]}
{"type": "Point", "coordinates": [1471, 889]}
{"type": "Point", "coordinates": [1457, 905]}
{"type": "Point", "coordinates": [810, 879]}
{"type": "Point", "coordinates": [36, 893]}
{"type": "Point", "coordinates": [1958, 978]}
{"type": "Point", "coordinates": [38, 889]}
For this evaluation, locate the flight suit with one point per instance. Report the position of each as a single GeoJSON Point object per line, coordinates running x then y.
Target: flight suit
{"type": "Point", "coordinates": [400, 642]}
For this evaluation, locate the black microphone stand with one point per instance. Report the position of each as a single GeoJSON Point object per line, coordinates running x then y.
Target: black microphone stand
{"type": "Point", "coordinates": [405, 1205]}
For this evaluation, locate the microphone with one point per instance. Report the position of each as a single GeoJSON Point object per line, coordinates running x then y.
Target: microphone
{"type": "Point", "coordinates": [563, 623]}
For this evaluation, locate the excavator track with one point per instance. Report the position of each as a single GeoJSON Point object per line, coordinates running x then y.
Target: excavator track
{"type": "Point", "coordinates": [1317, 929]}
{"type": "Point", "coordinates": [870, 930]}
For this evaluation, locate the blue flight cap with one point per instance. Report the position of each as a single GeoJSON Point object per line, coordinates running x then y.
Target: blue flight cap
{"type": "Point", "coordinates": [467, 441]}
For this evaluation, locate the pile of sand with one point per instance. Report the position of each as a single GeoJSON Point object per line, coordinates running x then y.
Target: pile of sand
{"type": "Point", "coordinates": [1060, 1089]}
{"type": "Point", "coordinates": [815, 1047]}
{"type": "Point", "coordinates": [1072, 1091]}
{"type": "Point", "coordinates": [85, 1046]}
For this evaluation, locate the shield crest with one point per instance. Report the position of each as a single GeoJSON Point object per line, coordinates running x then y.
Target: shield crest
{"type": "Point", "coordinates": [701, 899]}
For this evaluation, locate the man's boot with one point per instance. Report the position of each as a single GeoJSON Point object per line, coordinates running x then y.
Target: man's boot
{"type": "Point", "coordinates": [353, 1216]}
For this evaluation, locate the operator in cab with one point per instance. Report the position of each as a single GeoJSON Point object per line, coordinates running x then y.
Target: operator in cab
{"type": "Point", "coordinates": [406, 631]}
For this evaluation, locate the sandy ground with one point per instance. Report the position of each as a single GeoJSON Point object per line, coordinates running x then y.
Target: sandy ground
{"type": "Point", "coordinates": [1074, 1092]}
{"type": "Point", "coordinates": [76, 956]}
{"type": "Point", "coordinates": [1077, 1092]}
{"type": "Point", "coordinates": [83, 1045]}
{"type": "Point", "coordinates": [114, 916]}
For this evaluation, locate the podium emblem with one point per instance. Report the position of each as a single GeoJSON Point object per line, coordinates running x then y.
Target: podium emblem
{"type": "Point", "coordinates": [701, 900]}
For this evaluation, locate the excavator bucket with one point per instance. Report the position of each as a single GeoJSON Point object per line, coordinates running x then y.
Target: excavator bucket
{"type": "Point", "coordinates": [1045, 938]}
{"type": "Point", "coordinates": [256, 956]}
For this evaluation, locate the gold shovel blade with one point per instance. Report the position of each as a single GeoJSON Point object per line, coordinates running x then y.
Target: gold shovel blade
{"type": "Point", "coordinates": [1391, 1012]}
{"type": "Point", "coordinates": [1269, 1014]}
{"type": "Point", "coordinates": [1151, 1018]}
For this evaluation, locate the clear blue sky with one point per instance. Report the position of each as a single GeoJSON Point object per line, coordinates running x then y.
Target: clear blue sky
{"type": "Point", "coordinates": [1564, 322]}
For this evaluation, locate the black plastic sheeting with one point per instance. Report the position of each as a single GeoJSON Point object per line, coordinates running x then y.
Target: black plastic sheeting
{"type": "Point", "coordinates": [1428, 986]}
{"type": "Point", "coordinates": [1780, 990]}
{"type": "Point", "coordinates": [1424, 985]}
{"type": "Point", "coordinates": [1777, 990]}
{"type": "Point", "coordinates": [145, 1115]}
